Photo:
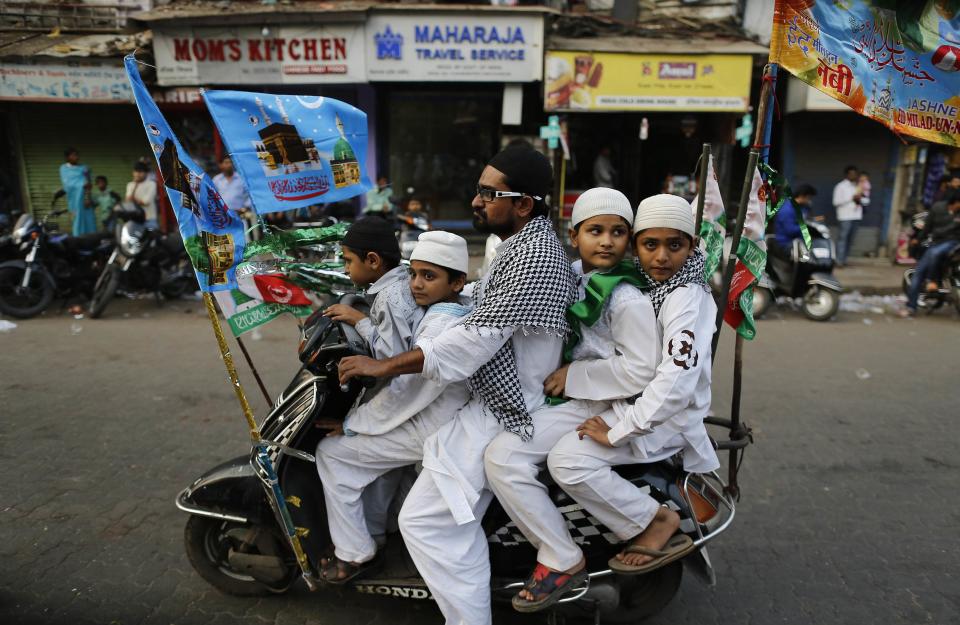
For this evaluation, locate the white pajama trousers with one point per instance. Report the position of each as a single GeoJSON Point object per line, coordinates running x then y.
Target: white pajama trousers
{"type": "Point", "coordinates": [584, 469]}
{"type": "Point", "coordinates": [441, 517]}
{"type": "Point", "coordinates": [513, 467]}
{"type": "Point", "coordinates": [347, 465]}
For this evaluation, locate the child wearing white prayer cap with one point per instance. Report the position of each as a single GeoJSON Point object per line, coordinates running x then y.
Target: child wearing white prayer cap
{"type": "Point", "coordinates": [389, 430]}
{"type": "Point", "coordinates": [668, 417]}
{"type": "Point", "coordinates": [613, 355]}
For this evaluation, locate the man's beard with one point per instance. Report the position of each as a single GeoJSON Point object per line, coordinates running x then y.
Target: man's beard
{"type": "Point", "coordinates": [480, 223]}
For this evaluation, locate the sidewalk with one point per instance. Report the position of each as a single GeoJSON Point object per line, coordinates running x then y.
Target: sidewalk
{"type": "Point", "coordinates": [871, 276]}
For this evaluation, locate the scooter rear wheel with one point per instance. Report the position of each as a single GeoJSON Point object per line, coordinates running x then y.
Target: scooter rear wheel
{"type": "Point", "coordinates": [641, 596]}
{"type": "Point", "coordinates": [209, 543]}
{"type": "Point", "coordinates": [820, 303]}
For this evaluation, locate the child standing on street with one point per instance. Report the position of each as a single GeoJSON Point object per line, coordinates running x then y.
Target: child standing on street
{"type": "Point", "coordinates": [614, 351]}
{"type": "Point", "coordinates": [389, 430]}
{"type": "Point", "coordinates": [668, 417]}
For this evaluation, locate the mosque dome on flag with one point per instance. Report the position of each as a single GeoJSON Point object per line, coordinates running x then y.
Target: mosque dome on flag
{"type": "Point", "coordinates": [346, 169]}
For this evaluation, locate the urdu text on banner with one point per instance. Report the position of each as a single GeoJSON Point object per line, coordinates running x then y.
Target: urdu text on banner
{"type": "Point", "coordinates": [895, 62]}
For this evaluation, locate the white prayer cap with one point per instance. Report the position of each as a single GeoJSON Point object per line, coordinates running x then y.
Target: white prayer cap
{"type": "Point", "coordinates": [664, 211]}
{"type": "Point", "coordinates": [600, 201]}
{"type": "Point", "coordinates": [442, 248]}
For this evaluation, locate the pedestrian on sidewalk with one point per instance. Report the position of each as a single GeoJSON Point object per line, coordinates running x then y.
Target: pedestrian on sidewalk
{"type": "Point", "coordinates": [142, 194]}
{"type": "Point", "coordinates": [75, 180]}
{"type": "Point", "coordinates": [943, 228]}
{"type": "Point", "coordinates": [234, 194]}
{"type": "Point", "coordinates": [848, 200]}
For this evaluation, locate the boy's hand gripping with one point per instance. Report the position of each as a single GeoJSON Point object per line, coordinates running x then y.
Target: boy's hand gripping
{"type": "Point", "coordinates": [595, 428]}
{"type": "Point", "coordinates": [344, 313]}
{"type": "Point", "coordinates": [556, 383]}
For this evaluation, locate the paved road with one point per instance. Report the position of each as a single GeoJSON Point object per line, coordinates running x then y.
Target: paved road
{"type": "Point", "coordinates": [848, 511]}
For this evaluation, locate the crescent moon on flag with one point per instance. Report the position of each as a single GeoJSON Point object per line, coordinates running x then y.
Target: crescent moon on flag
{"type": "Point", "coordinates": [310, 105]}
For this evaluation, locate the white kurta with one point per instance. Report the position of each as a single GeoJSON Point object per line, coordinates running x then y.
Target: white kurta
{"type": "Point", "coordinates": [440, 519]}
{"type": "Point", "coordinates": [666, 419]}
{"type": "Point", "coordinates": [616, 358]}
{"type": "Point", "coordinates": [385, 433]}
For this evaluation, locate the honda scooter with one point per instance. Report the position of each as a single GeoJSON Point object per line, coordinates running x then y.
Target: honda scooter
{"type": "Point", "coordinates": [807, 275]}
{"type": "Point", "coordinates": [235, 540]}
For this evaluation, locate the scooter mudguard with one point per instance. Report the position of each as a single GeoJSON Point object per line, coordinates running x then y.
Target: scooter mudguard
{"type": "Point", "coordinates": [230, 491]}
{"type": "Point", "coordinates": [826, 280]}
{"type": "Point", "coordinates": [36, 268]}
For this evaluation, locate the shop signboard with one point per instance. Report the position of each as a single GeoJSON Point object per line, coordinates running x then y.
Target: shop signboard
{"type": "Point", "coordinates": [86, 82]}
{"type": "Point", "coordinates": [899, 67]}
{"type": "Point", "coordinates": [454, 47]}
{"type": "Point", "coordinates": [247, 55]}
{"type": "Point", "coordinates": [608, 81]}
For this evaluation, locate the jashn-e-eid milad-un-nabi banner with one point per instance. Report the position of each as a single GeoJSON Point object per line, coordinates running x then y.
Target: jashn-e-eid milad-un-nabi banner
{"type": "Point", "coordinates": [895, 62]}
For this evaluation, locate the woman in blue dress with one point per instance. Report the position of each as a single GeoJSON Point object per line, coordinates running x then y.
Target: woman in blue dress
{"type": "Point", "coordinates": [75, 179]}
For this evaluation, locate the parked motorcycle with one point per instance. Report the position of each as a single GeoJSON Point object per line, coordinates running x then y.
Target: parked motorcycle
{"type": "Point", "coordinates": [55, 264]}
{"type": "Point", "coordinates": [808, 275]}
{"type": "Point", "coordinates": [234, 540]}
{"type": "Point", "coordinates": [949, 290]}
{"type": "Point", "coordinates": [143, 260]}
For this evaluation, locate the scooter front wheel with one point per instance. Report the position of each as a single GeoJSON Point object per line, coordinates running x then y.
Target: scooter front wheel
{"type": "Point", "coordinates": [238, 558]}
{"type": "Point", "coordinates": [820, 303]}
{"type": "Point", "coordinates": [104, 290]}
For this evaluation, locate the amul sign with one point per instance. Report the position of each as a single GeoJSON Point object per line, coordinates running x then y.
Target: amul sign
{"type": "Point", "coordinates": [250, 55]}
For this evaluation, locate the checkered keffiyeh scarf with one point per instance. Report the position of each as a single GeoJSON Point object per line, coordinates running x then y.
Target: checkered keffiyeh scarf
{"type": "Point", "coordinates": [529, 288]}
{"type": "Point", "coordinates": [691, 272]}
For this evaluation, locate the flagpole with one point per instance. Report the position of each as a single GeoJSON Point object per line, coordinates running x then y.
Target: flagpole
{"type": "Point", "coordinates": [701, 186]}
{"type": "Point", "coordinates": [762, 142]}
{"type": "Point", "coordinates": [253, 369]}
{"type": "Point", "coordinates": [262, 456]}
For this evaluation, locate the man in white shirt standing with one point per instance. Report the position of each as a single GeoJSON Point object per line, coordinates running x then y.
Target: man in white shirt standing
{"type": "Point", "coordinates": [848, 202]}
{"type": "Point", "coordinates": [505, 348]}
{"type": "Point", "coordinates": [234, 193]}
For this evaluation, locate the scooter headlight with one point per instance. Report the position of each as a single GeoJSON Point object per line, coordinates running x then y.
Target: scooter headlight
{"type": "Point", "coordinates": [130, 241]}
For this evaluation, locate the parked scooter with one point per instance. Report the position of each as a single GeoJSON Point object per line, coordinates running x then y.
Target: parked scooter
{"type": "Point", "coordinates": [949, 290]}
{"type": "Point", "coordinates": [143, 260]}
{"type": "Point", "coordinates": [55, 264]}
{"type": "Point", "coordinates": [234, 539]}
{"type": "Point", "coordinates": [808, 275]}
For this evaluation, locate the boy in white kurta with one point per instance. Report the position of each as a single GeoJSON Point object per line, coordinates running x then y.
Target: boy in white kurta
{"type": "Point", "coordinates": [614, 353]}
{"type": "Point", "coordinates": [668, 417]}
{"type": "Point", "coordinates": [389, 430]}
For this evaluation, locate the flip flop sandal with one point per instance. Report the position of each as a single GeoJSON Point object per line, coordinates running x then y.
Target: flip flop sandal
{"type": "Point", "coordinates": [678, 546]}
{"type": "Point", "coordinates": [549, 586]}
{"type": "Point", "coordinates": [335, 566]}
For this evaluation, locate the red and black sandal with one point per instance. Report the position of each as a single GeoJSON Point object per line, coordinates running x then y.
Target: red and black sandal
{"type": "Point", "coordinates": [547, 587]}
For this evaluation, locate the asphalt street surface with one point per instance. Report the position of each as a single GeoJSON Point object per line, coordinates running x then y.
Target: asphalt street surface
{"type": "Point", "coordinates": [849, 513]}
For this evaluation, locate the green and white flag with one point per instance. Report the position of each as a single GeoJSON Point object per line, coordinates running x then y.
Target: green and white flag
{"type": "Point", "coordinates": [263, 293]}
{"type": "Point", "coordinates": [713, 226]}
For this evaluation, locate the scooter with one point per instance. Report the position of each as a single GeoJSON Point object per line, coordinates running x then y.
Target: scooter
{"type": "Point", "coordinates": [54, 264]}
{"type": "Point", "coordinates": [235, 541]}
{"type": "Point", "coordinates": [145, 260]}
{"type": "Point", "coordinates": [949, 290]}
{"type": "Point", "coordinates": [808, 275]}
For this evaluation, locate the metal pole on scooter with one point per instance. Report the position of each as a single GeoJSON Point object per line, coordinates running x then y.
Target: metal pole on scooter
{"type": "Point", "coordinates": [760, 152]}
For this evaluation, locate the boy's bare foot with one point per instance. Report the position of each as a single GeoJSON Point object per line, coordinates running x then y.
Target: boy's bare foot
{"type": "Point", "coordinates": [664, 525]}
{"type": "Point", "coordinates": [528, 596]}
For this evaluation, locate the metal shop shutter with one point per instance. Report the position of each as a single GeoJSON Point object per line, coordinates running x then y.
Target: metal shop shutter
{"type": "Point", "coordinates": [109, 137]}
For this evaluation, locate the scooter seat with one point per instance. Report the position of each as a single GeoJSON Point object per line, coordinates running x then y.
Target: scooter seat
{"type": "Point", "coordinates": [84, 243]}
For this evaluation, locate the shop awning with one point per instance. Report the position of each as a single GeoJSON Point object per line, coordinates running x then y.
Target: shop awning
{"type": "Point", "coordinates": [28, 45]}
{"type": "Point", "coordinates": [656, 45]}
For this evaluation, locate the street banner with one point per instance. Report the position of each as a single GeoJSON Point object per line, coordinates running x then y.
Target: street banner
{"type": "Point", "coordinates": [751, 261]}
{"type": "Point", "coordinates": [714, 224]}
{"type": "Point", "coordinates": [262, 294]}
{"type": "Point", "coordinates": [293, 151]}
{"type": "Point", "coordinates": [895, 62]}
{"type": "Point", "coordinates": [613, 81]}
{"type": "Point", "coordinates": [212, 234]}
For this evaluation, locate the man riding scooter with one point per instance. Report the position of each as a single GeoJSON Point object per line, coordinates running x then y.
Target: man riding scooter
{"type": "Point", "coordinates": [943, 228]}
{"type": "Point", "coordinates": [785, 226]}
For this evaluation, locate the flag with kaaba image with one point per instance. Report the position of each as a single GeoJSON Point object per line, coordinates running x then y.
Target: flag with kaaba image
{"type": "Point", "coordinates": [293, 151]}
{"type": "Point", "coordinates": [212, 234]}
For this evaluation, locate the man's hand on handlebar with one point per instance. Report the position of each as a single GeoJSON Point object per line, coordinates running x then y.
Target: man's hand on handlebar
{"type": "Point", "coordinates": [360, 366]}
{"type": "Point", "coordinates": [344, 313]}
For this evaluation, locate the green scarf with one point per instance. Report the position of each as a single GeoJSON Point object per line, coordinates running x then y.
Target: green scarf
{"type": "Point", "coordinates": [586, 311]}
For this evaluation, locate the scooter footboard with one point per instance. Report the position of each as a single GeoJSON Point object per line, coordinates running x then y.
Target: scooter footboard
{"type": "Point", "coordinates": [230, 491]}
